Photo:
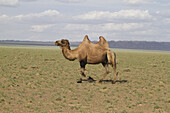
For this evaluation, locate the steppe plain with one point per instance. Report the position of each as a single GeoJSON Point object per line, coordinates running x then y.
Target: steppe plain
{"type": "Point", "coordinates": [41, 80]}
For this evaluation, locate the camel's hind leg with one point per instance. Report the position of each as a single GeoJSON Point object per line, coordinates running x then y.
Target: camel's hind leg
{"type": "Point", "coordinates": [111, 56]}
{"type": "Point", "coordinates": [107, 72]}
{"type": "Point", "coordinates": [113, 64]}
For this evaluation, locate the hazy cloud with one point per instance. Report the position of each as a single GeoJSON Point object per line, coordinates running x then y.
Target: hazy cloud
{"type": "Point", "coordinates": [47, 13]}
{"type": "Point", "coordinates": [166, 4]}
{"type": "Point", "coordinates": [3, 17]}
{"type": "Point", "coordinates": [138, 2]}
{"type": "Point", "coordinates": [105, 27]}
{"type": "Point", "coordinates": [9, 2]}
{"type": "Point", "coordinates": [72, 19]}
{"type": "Point", "coordinates": [71, 1]}
{"type": "Point", "coordinates": [122, 14]}
{"type": "Point", "coordinates": [28, 0]}
{"type": "Point", "coordinates": [41, 28]}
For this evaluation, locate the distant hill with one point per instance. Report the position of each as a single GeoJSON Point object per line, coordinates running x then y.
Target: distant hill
{"type": "Point", "coordinates": [17, 42]}
{"type": "Point", "coordinates": [143, 45]}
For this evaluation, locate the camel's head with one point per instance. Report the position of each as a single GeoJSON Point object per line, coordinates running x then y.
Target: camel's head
{"type": "Point", "coordinates": [62, 43]}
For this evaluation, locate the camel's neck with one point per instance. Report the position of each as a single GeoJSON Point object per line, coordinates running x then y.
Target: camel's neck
{"type": "Point", "coordinates": [69, 54]}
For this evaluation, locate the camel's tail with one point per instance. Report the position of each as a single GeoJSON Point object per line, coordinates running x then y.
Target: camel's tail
{"type": "Point", "coordinates": [111, 56]}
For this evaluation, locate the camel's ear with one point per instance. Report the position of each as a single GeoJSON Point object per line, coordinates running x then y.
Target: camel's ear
{"type": "Point", "coordinates": [65, 42]}
{"type": "Point", "coordinates": [62, 41]}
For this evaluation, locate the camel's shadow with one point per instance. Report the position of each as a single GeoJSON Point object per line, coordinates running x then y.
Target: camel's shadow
{"type": "Point", "coordinates": [117, 81]}
{"type": "Point", "coordinates": [91, 80]}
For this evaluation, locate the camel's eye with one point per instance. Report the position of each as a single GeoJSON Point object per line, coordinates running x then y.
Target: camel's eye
{"type": "Point", "coordinates": [63, 41]}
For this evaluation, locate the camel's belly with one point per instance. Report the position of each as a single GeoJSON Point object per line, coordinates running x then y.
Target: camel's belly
{"type": "Point", "coordinates": [96, 56]}
{"type": "Point", "coordinates": [96, 59]}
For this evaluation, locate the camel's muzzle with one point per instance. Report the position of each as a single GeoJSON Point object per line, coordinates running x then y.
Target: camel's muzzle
{"type": "Point", "coordinates": [58, 43]}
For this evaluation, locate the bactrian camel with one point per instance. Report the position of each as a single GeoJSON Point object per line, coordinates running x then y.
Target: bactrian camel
{"type": "Point", "coordinates": [90, 53]}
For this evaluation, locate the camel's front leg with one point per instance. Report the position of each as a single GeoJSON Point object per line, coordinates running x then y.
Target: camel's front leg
{"type": "Point", "coordinates": [107, 72]}
{"type": "Point", "coordinates": [82, 70]}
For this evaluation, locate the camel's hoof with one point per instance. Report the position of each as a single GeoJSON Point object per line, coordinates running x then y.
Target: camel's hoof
{"type": "Point", "coordinates": [90, 79]}
{"type": "Point", "coordinates": [79, 81]}
{"type": "Point", "coordinates": [113, 82]}
{"type": "Point", "coordinates": [100, 81]}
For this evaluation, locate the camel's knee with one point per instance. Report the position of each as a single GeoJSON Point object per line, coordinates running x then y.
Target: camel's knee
{"type": "Point", "coordinates": [108, 72]}
{"type": "Point", "coordinates": [117, 73]}
{"type": "Point", "coordinates": [82, 73]}
{"type": "Point", "coordinates": [82, 70]}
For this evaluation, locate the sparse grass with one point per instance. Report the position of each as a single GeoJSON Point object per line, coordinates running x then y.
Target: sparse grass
{"type": "Point", "coordinates": [41, 80]}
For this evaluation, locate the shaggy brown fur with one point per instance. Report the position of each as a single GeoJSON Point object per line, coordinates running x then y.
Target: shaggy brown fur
{"type": "Point", "coordinates": [90, 53]}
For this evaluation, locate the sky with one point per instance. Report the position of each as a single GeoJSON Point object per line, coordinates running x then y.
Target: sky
{"type": "Point", "coordinates": [117, 20]}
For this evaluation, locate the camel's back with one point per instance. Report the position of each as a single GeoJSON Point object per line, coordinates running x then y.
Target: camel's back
{"type": "Point", "coordinates": [90, 48]}
{"type": "Point", "coordinates": [103, 42]}
{"type": "Point", "coordinates": [94, 52]}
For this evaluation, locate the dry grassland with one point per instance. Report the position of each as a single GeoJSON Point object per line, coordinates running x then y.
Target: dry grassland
{"type": "Point", "coordinates": [39, 80]}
